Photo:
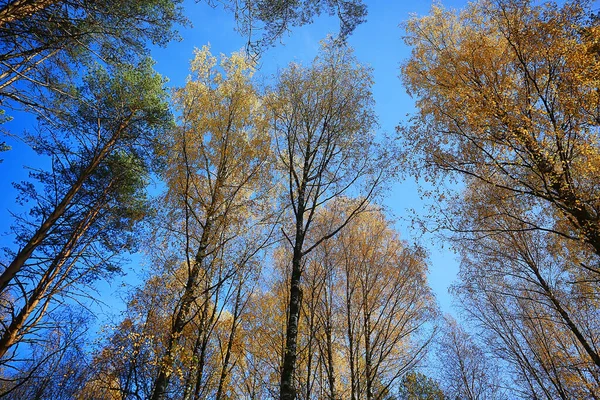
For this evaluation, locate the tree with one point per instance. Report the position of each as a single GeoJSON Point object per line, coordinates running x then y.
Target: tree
{"type": "Point", "coordinates": [322, 120]}
{"type": "Point", "coordinates": [386, 305]}
{"type": "Point", "coordinates": [524, 288]}
{"type": "Point", "coordinates": [57, 366]}
{"type": "Point", "coordinates": [45, 43]}
{"type": "Point", "coordinates": [509, 108]}
{"type": "Point", "coordinates": [389, 310]}
{"type": "Point", "coordinates": [417, 386]}
{"type": "Point", "coordinates": [217, 182]}
{"type": "Point", "coordinates": [272, 19]}
{"type": "Point", "coordinates": [88, 204]}
{"type": "Point", "coordinates": [507, 98]}
{"type": "Point", "coordinates": [466, 371]}
{"type": "Point", "coordinates": [207, 349]}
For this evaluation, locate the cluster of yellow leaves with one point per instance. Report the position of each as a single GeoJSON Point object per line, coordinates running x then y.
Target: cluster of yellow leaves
{"type": "Point", "coordinates": [509, 87]}
{"type": "Point", "coordinates": [221, 150]}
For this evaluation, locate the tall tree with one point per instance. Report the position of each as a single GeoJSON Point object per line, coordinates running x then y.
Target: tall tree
{"type": "Point", "coordinates": [507, 97]}
{"type": "Point", "coordinates": [508, 105]}
{"type": "Point", "coordinates": [356, 343]}
{"type": "Point", "coordinates": [216, 174]}
{"type": "Point", "coordinates": [57, 366]}
{"type": "Point", "coordinates": [45, 43]}
{"type": "Point", "coordinates": [386, 305]}
{"type": "Point", "coordinates": [524, 287]}
{"type": "Point", "coordinates": [322, 121]}
{"type": "Point", "coordinates": [466, 371]}
{"type": "Point", "coordinates": [418, 386]}
{"type": "Point", "coordinates": [87, 204]}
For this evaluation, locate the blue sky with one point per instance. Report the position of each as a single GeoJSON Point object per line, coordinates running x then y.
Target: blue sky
{"type": "Point", "coordinates": [378, 43]}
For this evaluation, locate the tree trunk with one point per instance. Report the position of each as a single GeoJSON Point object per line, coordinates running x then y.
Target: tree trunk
{"type": "Point", "coordinates": [594, 357]}
{"type": "Point", "coordinates": [330, 364]}
{"type": "Point", "coordinates": [164, 375]}
{"type": "Point", "coordinates": [19, 9]}
{"type": "Point", "coordinates": [236, 312]}
{"type": "Point", "coordinates": [25, 253]}
{"type": "Point", "coordinates": [288, 388]}
{"type": "Point", "coordinates": [12, 333]}
{"type": "Point", "coordinates": [368, 355]}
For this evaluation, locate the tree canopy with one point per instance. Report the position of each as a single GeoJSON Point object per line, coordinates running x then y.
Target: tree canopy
{"type": "Point", "coordinates": [250, 204]}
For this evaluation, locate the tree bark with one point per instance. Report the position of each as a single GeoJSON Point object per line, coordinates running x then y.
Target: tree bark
{"type": "Point", "coordinates": [20, 9]}
{"type": "Point", "coordinates": [11, 335]}
{"type": "Point", "coordinates": [288, 388]}
{"type": "Point", "coordinates": [236, 313]}
{"type": "Point", "coordinates": [162, 380]}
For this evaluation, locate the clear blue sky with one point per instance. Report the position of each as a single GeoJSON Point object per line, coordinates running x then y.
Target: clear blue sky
{"type": "Point", "coordinates": [378, 43]}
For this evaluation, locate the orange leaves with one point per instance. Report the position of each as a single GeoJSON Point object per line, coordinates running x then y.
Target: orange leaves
{"type": "Point", "coordinates": [506, 96]}
{"type": "Point", "coordinates": [508, 99]}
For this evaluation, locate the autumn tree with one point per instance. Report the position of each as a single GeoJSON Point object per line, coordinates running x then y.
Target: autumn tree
{"type": "Point", "coordinates": [259, 374]}
{"type": "Point", "coordinates": [466, 371]}
{"type": "Point", "coordinates": [208, 347]}
{"type": "Point", "coordinates": [125, 364]}
{"type": "Point", "coordinates": [386, 304]}
{"type": "Point", "coordinates": [508, 106]}
{"type": "Point", "coordinates": [322, 120]}
{"type": "Point", "coordinates": [539, 313]}
{"type": "Point", "coordinates": [217, 178]}
{"type": "Point", "coordinates": [353, 343]}
{"type": "Point", "coordinates": [507, 97]}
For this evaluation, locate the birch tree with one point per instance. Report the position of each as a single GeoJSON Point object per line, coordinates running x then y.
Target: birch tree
{"type": "Point", "coordinates": [322, 121]}
{"type": "Point", "coordinates": [216, 174]}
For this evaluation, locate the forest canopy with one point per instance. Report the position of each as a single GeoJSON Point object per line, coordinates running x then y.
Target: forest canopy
{"type": "Point", "coordinates": [253, 213]}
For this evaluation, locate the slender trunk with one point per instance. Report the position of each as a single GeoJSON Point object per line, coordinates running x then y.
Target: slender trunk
{"type": "Point", "coordinates": [189, 295]}
{"type": "Point", "coordinates": [594, 356]}
{"type": "Point", "coordinates": [311, 335]}
{"type": "Point", "coordinates": [308, 371]}
{"type": "Point", "coordinates": [189, 385]}
{"type": "Point", "coordinates": [207, 325]}
{"type": "Point", "coordinates": [353, 375]}
{"type": "Point", "coordinates": [288, 388]}
{"type": "Point", "coordinates": [236, 311]}
{"type": "Point", "coordinates": [350, 333]}
{"type": "Point", "coordinates": [201, 363]}
{"type": "Point", "coordinates": [328, 327]}
{"type": "Point", "coordinates": [330, 365]}
{"type": "Point", "coordinates": [13, 332]}
{"type": "Point", "coordinates": [368, 355]}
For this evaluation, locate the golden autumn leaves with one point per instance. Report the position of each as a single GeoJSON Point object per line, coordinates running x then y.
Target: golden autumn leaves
{"type": "Point", "coordinates": [294, 166]}
{"type": "Point", "coordinates": [508, 105]}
